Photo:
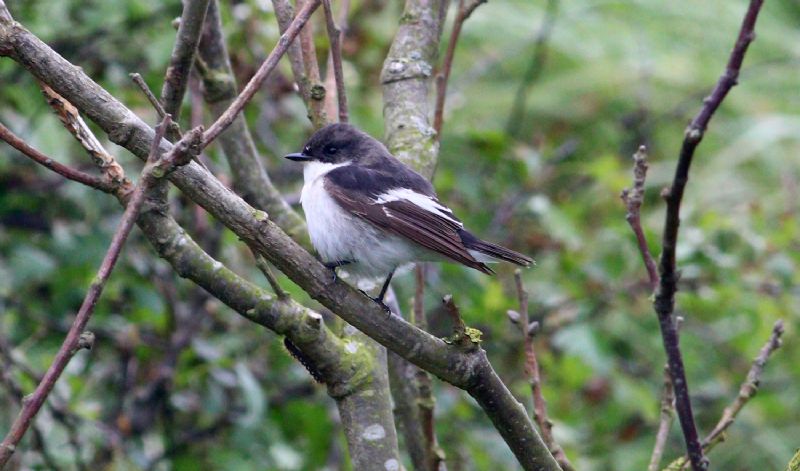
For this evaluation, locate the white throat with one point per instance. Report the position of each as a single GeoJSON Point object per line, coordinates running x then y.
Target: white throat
{"type": "Point", "coordinates": [314, 170]}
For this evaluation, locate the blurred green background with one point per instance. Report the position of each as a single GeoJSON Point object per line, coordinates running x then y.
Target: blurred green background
{"type": "Point", "coordinates": [544, 179]}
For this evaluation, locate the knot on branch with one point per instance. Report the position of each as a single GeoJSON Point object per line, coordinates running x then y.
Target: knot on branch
{"type": "Point", "coordinates": [412, 67]}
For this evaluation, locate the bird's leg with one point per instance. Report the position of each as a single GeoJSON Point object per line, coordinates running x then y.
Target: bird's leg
{"type": "Point", "coordinates": [381, 295]}
{"type": "Point", "coordinates": [332, 266]}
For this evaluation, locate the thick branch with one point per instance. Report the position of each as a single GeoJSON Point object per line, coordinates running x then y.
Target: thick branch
{"type": "Point", "coordinates": [406, 78]}
{"type": "Point", "coordinates": [250, 178]}
{"type": "Point", "coordinates": [664, 303]}
{"type": "Point", "coordinates": [180, 63]}
{"type": "Point", "coordinates": [468, 370]}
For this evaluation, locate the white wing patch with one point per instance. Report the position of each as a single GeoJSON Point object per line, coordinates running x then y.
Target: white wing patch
{"type": "Point", "coordinates": [418, 199]}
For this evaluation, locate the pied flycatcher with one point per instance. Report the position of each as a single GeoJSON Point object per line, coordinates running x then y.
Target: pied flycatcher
{"type": "Point", "coordinates": [369, 211]}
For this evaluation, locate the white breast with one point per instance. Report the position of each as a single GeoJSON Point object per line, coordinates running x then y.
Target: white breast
{"type": "Point", "coordinates": [337, 235]}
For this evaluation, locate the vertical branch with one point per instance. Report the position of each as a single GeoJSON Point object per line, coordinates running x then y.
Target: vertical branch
{"type": "Point", "coordinates": [405, 79]}
{"type": "Point", "coordinates": [180, 63]}
{"type": "Point", "coordinates": [529, 329]}
{"type": "Point", "coordinates": [335, 39]}
{"type": "Point", "coordinates": [665, 421]}
{"type": "Point", "coordinates": [316, 102]}
{"type": "Point", "coordinates": [664, 303]}
{"type": "Point", "coordinates": [76, 338]}
{"type": "Point", "coordinates": [464, 12]}
{"type": "Point", "coordinates": [633, 198]}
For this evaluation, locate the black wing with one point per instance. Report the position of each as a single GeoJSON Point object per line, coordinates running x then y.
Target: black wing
{"type": "Point", "coordinates": [405, 205]}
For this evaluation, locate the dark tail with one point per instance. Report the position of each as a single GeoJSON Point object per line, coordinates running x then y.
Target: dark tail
{"type": "Point", "coordinates": [495, 251]}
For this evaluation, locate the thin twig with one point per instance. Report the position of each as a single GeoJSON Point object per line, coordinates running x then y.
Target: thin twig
{"type": "Point", "coordinates": [267, 66]}
{"type": "Point", "coordinates": [72, 120]}
{"type": "Point", "coordinates": [664, 303]}
{"type": "Point", "coordinates": [633, 198]}
{"type": "Point", "coordinates": [747, 391]}
{"type": "Point", "coordinates": [263, 265]}
{"type": "Point", "coordinates": [464, 12]}
{"type": "Point", "coordinates": [426, 401]}
{"type": "Point", "coordinates": [61, 169]}
{"type": "Point", "coordinates": [529, 329]}
{"type": "Point", "coordinates": [151, 97]}
{"type": "Point", "coordinates": [667, 414]}
{"type": "Point", "coordinates": [175, 129]}
{"type": "Point", "coordinates": [335, 39]}
{"type": "Point", "coordinates": [76, 338]}
{"type": "Point", "coordinates": [665, 421]}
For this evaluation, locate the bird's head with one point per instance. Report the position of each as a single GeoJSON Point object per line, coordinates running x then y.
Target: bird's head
{"type": "Point", "coordinates": [338, 143]}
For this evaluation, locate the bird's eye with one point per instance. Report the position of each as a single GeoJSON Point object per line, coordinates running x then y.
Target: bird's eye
{"type": "Point", "coordinates": [331, 150]}
{"type": "Point", "coordinates": [307, 150]}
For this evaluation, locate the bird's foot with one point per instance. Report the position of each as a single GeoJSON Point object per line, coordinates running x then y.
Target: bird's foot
{"type": "Point", "coordinates": [378, 301]}
{"type": "Point", "coordinates": [332, 266]}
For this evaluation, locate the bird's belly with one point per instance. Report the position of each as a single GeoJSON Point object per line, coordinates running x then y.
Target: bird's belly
{"type": "Point", "coordinates": [338, 236]}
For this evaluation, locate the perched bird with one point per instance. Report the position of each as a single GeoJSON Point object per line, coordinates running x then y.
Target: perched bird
{"type": "Point", "coordinates": [369, 211]}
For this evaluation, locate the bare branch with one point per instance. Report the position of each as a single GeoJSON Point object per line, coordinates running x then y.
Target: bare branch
{"type": "Point", "coordinates": [335, 39]}
{"type": "Point", "coordinates": [284, 14]}
{"type": "Point", "coordinates": [464, 12]}
{"type": "Point", "coordinates": [469, 370]}
{"type": "Point", "coordinates": [183, 53]}
{"type": "Point", "coordinates": [528, 330]}
{"type": "Point", "coordinates": [72, 120]}
{"type": "Point", "coordinates": [250, 178]}
{"type": "Point", "coordinates": [76, 338]}
{"type": "Point", "coordinates": [61, 169]}
{"type": "Point", "coordinates": [267, 66]}
{"type": "Point", "coordinates": [151, 97]}
{"type": "Point", "coordinates": [664, 303]}
{"type": "Point", "coordinates": [747, 391]}
{"type": "Point", "coordinates": [263, 265]}
{"type": "Point", "coordinates": [405, 79]}
{"type": "Point", "coordinates": [633, 198]}
{"type": "Point", "coordinates": [316, 100]}
{"type": "Point", "coordinates": [664, 423]}
{"type": "Point", "coordinates": [175, 128]}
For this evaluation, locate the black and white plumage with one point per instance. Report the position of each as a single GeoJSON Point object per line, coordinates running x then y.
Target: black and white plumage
{"type": "Point", "coordinates": [366, 209]}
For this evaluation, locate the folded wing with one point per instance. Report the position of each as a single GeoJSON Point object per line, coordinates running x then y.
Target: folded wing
{"type": "Point", "coordinates": [404, 206]}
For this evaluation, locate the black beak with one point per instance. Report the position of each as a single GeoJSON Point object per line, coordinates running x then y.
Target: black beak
{"type": "Point", "coordinates": [298, 157]}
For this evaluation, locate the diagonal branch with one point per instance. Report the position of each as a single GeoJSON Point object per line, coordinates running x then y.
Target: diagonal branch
{"type": "Point", "coordinates": [264, 70]}
{"type": "Point", "coordinates": [76, 338]}
{"type": "Point", "coordinates": [61, 169]}
{"type": "Point", "coordinates": [250, 178]}
{"type": "Point", "coordinates": [464, 12]}
{"type": "Point", "coordinates": [664, 303]}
